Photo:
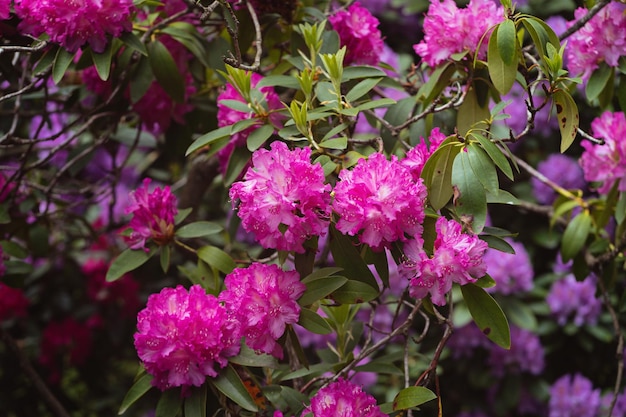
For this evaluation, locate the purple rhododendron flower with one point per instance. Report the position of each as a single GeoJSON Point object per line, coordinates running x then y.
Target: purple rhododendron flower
{"type": "Point", "coordinates": [283, 199]}
{"type": "Point", "coordinates": [153, 216]}
{"type": "Point", "coordinates": [606, 163]}
{"type": "Point", "coordinates": [343, 399]}
{"type": "Point", "coordinates": [417, 156]}
{"type": "Point", "coordinates": [449, 30]}
{"type": "Point", "coordinates": [72, 23]}
{"type": "Point", "coordinates": [574, 396]}
{"type": "Point", "coordinates": [560, 169]}
{"type": "Point", "coordinates": [569, 297]}
{"type": "Point", "coordinates": [13, 302]}
{"type": "Point", "coordinates": [358, 32]}
{"type": "Point", "coordinates": [183, 335]}
{"type": "Point", "coordinates": [457, 257]}
{"type": "Point", "coordinates": [513, 273]}
{"type": "Point", "coordinates": [380, 201]}
{"type": "Point", "coordinates": [263, 299]}
{"type": "Point", "coordinates": [525, 355]}
{"type": "Point", "coordinates": [600, 40]}
{"type": "Point", "coordinates": [227, 115]}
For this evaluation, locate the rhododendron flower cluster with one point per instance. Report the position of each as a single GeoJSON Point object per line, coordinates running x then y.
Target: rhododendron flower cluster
{"type": "Point", "coordinates": [183, 335]}
{"type": "Point", "coordinates": [573, 396]}
{"type": "Point", "coordinates": [227, 115]}
{"type": "Point", "coordinates": [417, 156]}
{"type": "Point", "coordinates": [600, 40]}
{"type": "Point", "coordinates": [606, 163]}
{"type": "Point", "coordinates": [13, 302]}
{"type": "Point", "coordinates": [153, 216]}
{"type": "Point", "coordinates": [380, 201]}
{"type": "Point", "coordinates": [457, 257]}
{"type": "Point", "coordinates": [121, 292]}
{"type": "Point", "coordinates": [64, 338]}
{"type": "Point", "coordinates": [263, 299]}
{"type": "Point", "coordinates": [569, 298]}
{"type": "Point", "coordinates": [512, 272]}
{"type": "Point", "coordinates": [283, 199]}
{"type": "Point", "coordinates": [343, 399]}
{"type": "Point", "coordinates": [449, 30]}
{"type": "Point", "coordinates": [358, 32]}
{"type": "Point", "coordinates": [74, 23]}
{"type": "Point", "coordinates": [5, 9]}
{"type": "Point", "coordinates": [560, 169]}
{"type": "Point", "coordinates": [526, 354]}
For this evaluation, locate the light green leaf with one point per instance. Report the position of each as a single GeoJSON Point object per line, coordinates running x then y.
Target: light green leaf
{"type": "Point", "coordinates": [61, 63]}
{"type": "Point", "coordinates": [374, 104]}
{"type": "Point", "coordinates": [217, 258]}
{"type": "Point", "coordinates": [575, 236]}
{"type": "Point", "coordinates": [248, 357]}
{"type": "Point", "coordinates": [567, 116]}
{"type": "Point", "coordinates": [127, 261]}
{"type": "Point", "coordinates": [470, 114]}
{"type": "Point", "coordinates": [437, 173]}
{"type": "Point", "coordinates": [166, 252]}
{"type": "Point", "coordinates": [313, 322]}
{"type": "Point", "coordinates": [412, 397]}
{"type": "Point", "coordinates": [502, 73]}
{"type": "Point", "coordinates": [335, 143]}
{"type": "Point", "coordinates": [356, 71]}
{"type": "Point", "coordinates": [139, 388]}
{"type": "Point", "coordinates": [471, 199]}
{"type": "Point", "coordinates": [286, 81]}
{"type": "Point", "coordinates": [362, 88]}
{"type": "Point", "coordinates": [198, 229]}
{"type": "Point", "coordinates": [507, 42]}
{"type": "Point", "coordinates": [483, 167]}
{"type": "Point", "coordinates": [495, 154]}
{"type": "Point", "coordinates": [487, 314]}
{"type": "Point", "coordinates": [257, 137]}
{"type": "Point", "coordinates": [230, 384]}
{"type": "Point", "coordinates": [320, 288]}
{"type": "Point", "coordinates": [599, 80]}
{"type": "Point", "coordinates": [166, 71]}
{"type": "Point", "coordinates": [208, 138]}
{"type": "Point", "coordinates": [102, 62]}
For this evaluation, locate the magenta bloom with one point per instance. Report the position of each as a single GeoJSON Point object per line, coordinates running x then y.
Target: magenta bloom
{"type": "Point", "coordinates": [263, 298]}
{"type": "Point", "coordinates": [64, 339]}
{"type": "Point", "coordinates": [283, 199]}
{"type": "Point", "coordinates": [416, 158]}
{"type": "Point", "coordinates": [227, 116]}
{"type": "Point", "coordinates": [606, 163]}
{"type": "Point", "coordinates": [183, 335]}
{"type": "Point", "coordinates": [153, 216]}
{"type": "Point", "coordinates": [457, 257]}
{"type": "Point", "coordinates": [343, 399]}
{"type": "Point", "coordinates": [5, 9]}
{"type": "Point", "coordinates": [358, 32]}
{"type": "Point", "coordinates": [571, 299]}
{"type": "Point", "coordinates": [72, 23]}
{"type": "Point", "coordinates": [513, 272]}
{"type": "Point", "coordinates": [13, 302]}
{"type": "Point", "coordinates": [574, 396]}
{"type": "Point", "coordinates": [449, 30]}
{"type": "Point", "coordinates": [380, 201]}
{"type": "Point", "coordinates": [599, 40]}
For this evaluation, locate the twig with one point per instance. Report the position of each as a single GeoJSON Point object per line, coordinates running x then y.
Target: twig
{"type": "Point", "coordinates": [583, 20]}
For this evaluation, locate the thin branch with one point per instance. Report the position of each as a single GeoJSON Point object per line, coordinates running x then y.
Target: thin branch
{"type": "Point", "coordinates": [583, 20]}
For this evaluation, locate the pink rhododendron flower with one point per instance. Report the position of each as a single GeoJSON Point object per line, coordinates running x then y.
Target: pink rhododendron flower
{"type": "Point", "coordinates": [72, 23]}
{"type": "Point", "coordinates": [343, 399]}
{"type": "Point", "coordinates": [457, 257]}
{"type": "Point", "coordinates": [122, 292]}
{"type": "Point", "coordinates": [606, 163]}
{"type": "Point", "coordinates": [417, 156]}
{"type": "Point", "coordinates": [449, 30]}
{"type": "Point", "coordinates": [13, 302]}
{"type": "Point", "coordinates": [60, 339]}
{"type": "Point", "coordinates": [380, 201]}
{"type": "Point", "coordinates": [358, 32]}
{"type": "Point", "coordinates": [283, 199]}
{"type": "Point", "coordinates": [263, 298]}
{"type": "Point", "coordinates": [227, 116]}
{"type": "Point", "coordinates": [600, 40]}
{"type": "Point", "coordinates": [182, 336]}
{"type": "Point", "coordinates": [5, 9]}
{"type": "Point", "coordinates": [153, 216]}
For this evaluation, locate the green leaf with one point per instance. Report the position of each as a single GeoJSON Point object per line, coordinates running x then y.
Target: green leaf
{"type": "Point", "coordinates": [471, 199]}
{"type": "Point", "coordinates": [182, 215]}
{"type": "Point", "coordinates": [502, 74]}
{"type": "Point", "coordinates": [139, 388]}
{"type": "Point", "coordinates": [375, 104]}
{"type": "Point", "coordinates": [598, 81]}
{"type": "Point", "coordinates": [347, 257]}
{"type": "Point", "coordinates": [286, 81]}
{"type": "Point", "coordinates": [166, 252]}
{"type": "Point", "coordinates": [61, 63]}
{"type": "Point", "coordinates": [208, 138]}
{"type": "Point", "coordinates": [497, 243]}
{"type": "Point", "coordinates": [127, 261]}
{"type": "Point", "coordinates": [230, 384]}
{"type": "Point", "coordinates": [166, 71]}
{"type": "Point", "coordinates": [438, 80]}
{"type": "Point", "coordinates": [217, 258]}
{"type": "Point", "coordinates": [470, 114]}
{"type": "Point", "coordinates": [567, 116]}
{"type": "Point", "coordinates": [248, 357]}
{"type": "Point", "coordinates": [335, 143]}
{"type": "Point", "coordinates": [412, 397]}
{"type": "Point", "coordinates": [487, 314]}
{"type": "Point", "coordinates": [362, 88]}
{"type": "Point", "coordinates": [237, 162]}
{"type": "Point", "coordinates": [13, 249]}
{"type": "Point", "coordinates": [396, 115]}
{"type": "Point", "coordinates": [195, 404]}
{"type": "Point", "coordinates": [520, 313]}
{"type": "Point", "coordinates": [320, 288]}
{"type": "Point", "coordinates": [541, 34]}
{"type": "Point", "coordinates": [102, 62]}
{"type": "Point", "coordinates": [257, 137]}
{"type": "Point", "coordinates": [169, 404]}
{"type": "Point", "coordinates": [620, 208]}
{"type": "Point", "coordinates": [356, 71]}
{"type": "Point", "coordinates": [437, 173]}
{"type": "Point", "coordinates": [355, 292]}
{"type": "Point", "coordinates": [198, 229]}
{"type": "Point", "coordinates": [313, 322]}
{"type": "Point", "coordinates": [507, 42]}
{"type": "Point", "coordinates": [575, 236]}
{"type": "Point", "coordinates": [131, 40]}
{"type": "Point", "coordinates": [321, 273]}
{"type": "Point", "coordinates": [141, 80]}
{"type": "Point", "coordinates": [483, 167]}
{"type": "Point", "coordinates": [502, 197]}
{"type": "Point", "coordinates": [495, 154]}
